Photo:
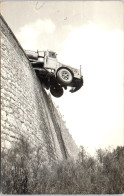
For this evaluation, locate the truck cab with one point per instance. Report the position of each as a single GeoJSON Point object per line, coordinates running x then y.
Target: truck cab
{"type": "Point", "coordinates": [50, 60]}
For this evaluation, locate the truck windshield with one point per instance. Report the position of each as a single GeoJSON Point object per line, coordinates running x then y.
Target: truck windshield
{"type": "Point", "coordinates": [52, 55]}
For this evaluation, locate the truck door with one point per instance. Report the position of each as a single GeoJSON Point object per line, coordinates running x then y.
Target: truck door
{"type": "Point", "coordinates": [51, 60]}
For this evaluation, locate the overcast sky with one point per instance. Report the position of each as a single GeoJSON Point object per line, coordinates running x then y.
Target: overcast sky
{"type": "Point", "coordinates": [82, 33]}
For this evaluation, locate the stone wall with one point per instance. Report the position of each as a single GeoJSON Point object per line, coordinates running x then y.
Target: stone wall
{"type": "Point", "coordinates": [26, 109]}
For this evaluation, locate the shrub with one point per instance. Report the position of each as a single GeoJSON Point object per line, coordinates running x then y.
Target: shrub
{"type": "Point", "coordinates": [86, 175]}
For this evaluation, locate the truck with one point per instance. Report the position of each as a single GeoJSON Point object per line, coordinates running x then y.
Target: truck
{"type": "Point", "coordinates": [54, 75]}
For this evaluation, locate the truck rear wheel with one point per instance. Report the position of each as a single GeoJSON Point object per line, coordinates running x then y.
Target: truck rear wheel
{"type": "Point", "coordinates": [64, 76]}
{"type": "Point", "coordinates": [56, 91]}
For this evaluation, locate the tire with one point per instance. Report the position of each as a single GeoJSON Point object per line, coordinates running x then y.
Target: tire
{"type": "Point", "coordinates": [56, 91]}
{"type": "Point", "coordinates": [64, 76]}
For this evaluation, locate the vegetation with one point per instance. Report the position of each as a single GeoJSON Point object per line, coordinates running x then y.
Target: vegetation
{"type": "Point", "coordinates": [103, 174]}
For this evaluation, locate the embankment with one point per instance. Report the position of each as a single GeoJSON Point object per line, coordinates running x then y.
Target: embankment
{"type": "Point", "coordinates": [26, 108]}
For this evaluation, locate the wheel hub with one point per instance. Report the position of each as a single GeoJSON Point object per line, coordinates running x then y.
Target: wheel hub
{"type": "Point", "coordinates": [65, 75]}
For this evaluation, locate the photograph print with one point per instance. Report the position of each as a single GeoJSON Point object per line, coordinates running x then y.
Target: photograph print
{"type": "Point", "coordinates": [62, 97]}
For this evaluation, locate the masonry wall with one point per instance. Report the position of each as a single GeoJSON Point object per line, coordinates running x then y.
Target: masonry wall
{"type": "Point", "coordinates": [26, 109]}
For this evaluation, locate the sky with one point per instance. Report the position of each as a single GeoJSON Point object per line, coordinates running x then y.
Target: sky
{"type": "Point", "coordinates": [87, 33]}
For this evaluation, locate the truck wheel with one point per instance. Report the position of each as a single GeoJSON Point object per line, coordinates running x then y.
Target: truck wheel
{"type": "Point", "coordinates": [64, 76]}
{"type": "Point", "coordinates": [56, 91]}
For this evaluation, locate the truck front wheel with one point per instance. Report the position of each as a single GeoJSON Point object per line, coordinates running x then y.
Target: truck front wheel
{"type": "Point", "coordinates": [56, 91]}
{"type": "Point", "coordinates": [64, 76]}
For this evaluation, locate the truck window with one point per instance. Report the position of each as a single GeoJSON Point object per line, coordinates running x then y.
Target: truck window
{"type": "Point", "coordinates": [41, 53]}
{"type": "Point", "coordinates": [52, 55]}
